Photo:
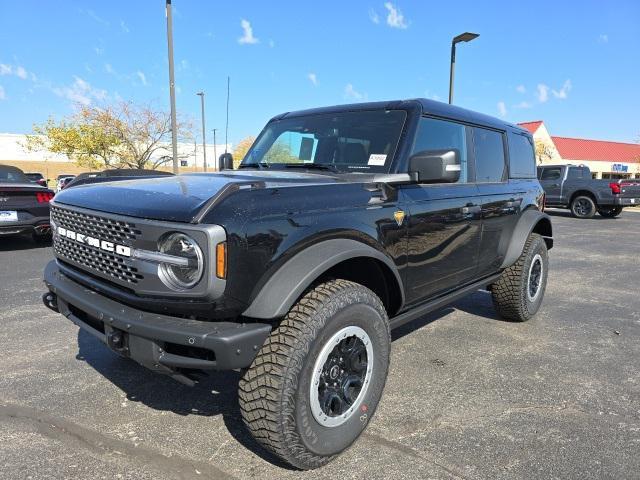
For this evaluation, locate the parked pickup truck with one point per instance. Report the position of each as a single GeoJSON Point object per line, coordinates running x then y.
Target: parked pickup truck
{"type": "Point", "coordinates": [341, 224]}
{"type": "Point", "coordinates": [571, 186]}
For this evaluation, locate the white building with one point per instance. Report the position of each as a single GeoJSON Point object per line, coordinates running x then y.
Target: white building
{"type": "Point", "coordinates": [12, 149]}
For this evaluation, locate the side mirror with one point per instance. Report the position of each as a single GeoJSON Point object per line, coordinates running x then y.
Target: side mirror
{"type": "Point", "coordinates": [225, 162]}
{"type": "Point", "coordinates": [435, 166]}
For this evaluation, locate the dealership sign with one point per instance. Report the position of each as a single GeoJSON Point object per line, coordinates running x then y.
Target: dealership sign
{"type": "Point", "coordinates": [619, 167]}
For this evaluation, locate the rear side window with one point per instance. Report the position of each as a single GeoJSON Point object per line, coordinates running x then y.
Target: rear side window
{"type": "Point", "coordinates": [522, 160]}
{"type": "Point", "coordinates": [553, 173]}
{"type": "Point", "coordinates": [436, 134]}
{"type": "Point", "coordinates": [489, 150]}
{"type": "Point", "coordinates": [577, 173]}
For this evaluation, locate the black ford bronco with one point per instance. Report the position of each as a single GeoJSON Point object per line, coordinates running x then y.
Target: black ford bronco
{"type": "Point", "coordinates": [340, 224]}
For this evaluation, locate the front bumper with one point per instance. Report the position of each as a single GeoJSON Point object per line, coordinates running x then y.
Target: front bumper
{"type": "Point", "coordinates": [170, 345]}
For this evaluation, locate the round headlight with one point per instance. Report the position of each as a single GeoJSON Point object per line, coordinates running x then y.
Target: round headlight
{"type": "Point", "coordinates": [185, 276]}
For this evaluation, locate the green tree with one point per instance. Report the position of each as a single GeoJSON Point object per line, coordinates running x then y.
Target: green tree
{"type": "Point", "coordinates": [121, 135]}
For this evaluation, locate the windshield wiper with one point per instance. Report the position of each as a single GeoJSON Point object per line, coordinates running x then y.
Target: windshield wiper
{"type": "Point", "coordinates": [259, 165]}
{"type": "Point", "coordinates": [318, 166]}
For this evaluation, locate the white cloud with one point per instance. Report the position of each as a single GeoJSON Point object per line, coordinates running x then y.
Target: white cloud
{"type": "Point", "coordinates": [603, 38]}
{"type": "Point", "coordinates": [313, 78]}
{"type": "Point", "coordinates": [373, 16]}
{"type": "Point", "coordinates": [142, 77]}
{"type": "Point", "coordinates": [98, 50]}
{"type": "Point", "coordinates": [395, 18]}
{"type": "Point", "coordinates": [247, 38]}
{"type": "Point", "coordinates": [123, 27]}
{"type": "Point", "coordinates": [502, 109]}
{"type": "Point", "coordinates": [109, 69]}
{"type": "Point", "coordinates": [80, 91]}
{"type": "Point", "coordinates": [272, 44]}
{"type": "Point", "coordinates": [521, 89]}
{"type": "Point", "coordinates": [523, 104]}
{"type": "Point", "coordinates": [564, 91]}
{"type": "Point", "coordinates": [351, 93]}
{"type": "Point", "coordinates": [543, 93]}
{"type": "Point", "coordinates": [98, 19]}
{"type": "Point", "coordinates": [2, 94]}
{"type": "Point", "coordinates": [18, 70]}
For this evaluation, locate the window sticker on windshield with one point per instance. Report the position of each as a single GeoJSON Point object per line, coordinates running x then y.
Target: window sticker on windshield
{"type": "Point", "coordinates": [377, 159]}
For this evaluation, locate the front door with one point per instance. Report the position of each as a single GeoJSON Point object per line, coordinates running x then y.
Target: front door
{"type": "Point", "coordinates": [551, 181]}
{"type": "Point", "coordinates": [443, 220]}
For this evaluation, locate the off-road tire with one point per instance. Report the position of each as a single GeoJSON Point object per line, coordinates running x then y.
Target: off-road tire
{"type": "Point", "coordinates": [274, 393]}
{"type": "Point", "coordinates": [610, 212]}
{"type": "Point", "coordinates": [510, 291]}
{"type": "Point", "coordinates": [583, 200]}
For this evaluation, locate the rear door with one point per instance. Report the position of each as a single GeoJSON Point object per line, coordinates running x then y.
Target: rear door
{"type": "Point", "coordinates": [551, 181]}
{"type": "Point", "coordinates": [443, 221]}
{"type": "Point", "coordinates": [501, 199]}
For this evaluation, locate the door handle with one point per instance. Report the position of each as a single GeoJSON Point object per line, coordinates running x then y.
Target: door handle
{"type": "Point", "coordinates": [470, 209]}
{"type": "Point", "coordinates": [555, 185]}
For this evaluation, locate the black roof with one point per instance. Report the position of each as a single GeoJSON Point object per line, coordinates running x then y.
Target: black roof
{"type": "Point", "coordinates": [423, 105]}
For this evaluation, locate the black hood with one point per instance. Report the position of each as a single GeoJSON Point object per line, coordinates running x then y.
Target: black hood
{"type": "Point", "coordinates": [177, 198]}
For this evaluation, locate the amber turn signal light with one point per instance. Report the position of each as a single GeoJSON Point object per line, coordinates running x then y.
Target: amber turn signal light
{"type": "Point", "coordinates": [221, 260]}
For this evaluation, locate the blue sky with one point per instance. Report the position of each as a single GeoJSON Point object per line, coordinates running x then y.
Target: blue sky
{"type": "Point", "coordinates": [574, 65]}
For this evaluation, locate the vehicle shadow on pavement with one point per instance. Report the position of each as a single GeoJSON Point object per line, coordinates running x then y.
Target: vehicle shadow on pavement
{"type": "Point", "coordinates": [478, 304]}
{"type": "Point", "coordinates": [567, 214]}
{"type": "Point", "coordinates": [20, 242]}
{"type": "Point", "coordinates": [216, 394]}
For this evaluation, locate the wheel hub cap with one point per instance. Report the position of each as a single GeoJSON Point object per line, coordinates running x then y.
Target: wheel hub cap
{"type": "Point", "coordinates": [341, 376]}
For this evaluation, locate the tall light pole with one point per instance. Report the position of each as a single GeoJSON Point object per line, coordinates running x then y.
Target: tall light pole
{"type": "Point", "coordinates": [172, 90]}
{"type": "Point", "coordinates": [204, 143]}
{"type": "Point", "coordinates": [463, 37]}
{"type": "Point", "coordinates": [215, 153]}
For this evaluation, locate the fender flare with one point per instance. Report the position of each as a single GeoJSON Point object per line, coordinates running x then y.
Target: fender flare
{"type": "Point", "coordinates": [287, 284]}
{"type": "Point", "coordinates": [528, 221]}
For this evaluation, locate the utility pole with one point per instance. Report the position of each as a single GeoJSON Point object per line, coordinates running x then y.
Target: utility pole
{"type": "Point", "coordinates": [204, 143]}
{"type": "Point", "coordinates": [215, 153]}
{"type": "Point", "coordinates": [172, 90]}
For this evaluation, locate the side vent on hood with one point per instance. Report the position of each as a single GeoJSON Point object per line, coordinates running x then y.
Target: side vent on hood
{"type": "Point", "coordinates": [223, 193]}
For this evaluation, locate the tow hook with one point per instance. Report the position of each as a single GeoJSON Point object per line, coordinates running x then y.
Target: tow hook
{"type": "Point", "coordinates": [116, 340]}
{"type": "Point", "coordinates": [50, 301]}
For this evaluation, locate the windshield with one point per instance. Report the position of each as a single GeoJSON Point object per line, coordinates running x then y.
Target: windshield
{"type": "Point", "coordinates": [12, 175]}
{"type": "Point", "coordinates": [345, 141]}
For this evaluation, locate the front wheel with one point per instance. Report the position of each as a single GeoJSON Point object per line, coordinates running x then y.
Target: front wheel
{"type": "Point", "coordinates": [315, 384]}
{"type": "Point", "coordinates": [610, 212]}
{"type": "Point", "coordinates": [583, 207]}
{"type": "Point", "coordinates": [517, 294]}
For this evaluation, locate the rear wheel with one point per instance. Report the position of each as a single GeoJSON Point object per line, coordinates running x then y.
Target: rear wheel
{"type": "Point", "coordinates": [610, 212]}
{"type": "Point", "coordinates": [317, 380]}
{"type": "Point", "coordinates": [518, 293]}
{"type": "Point", "coordinates": [583, 207]}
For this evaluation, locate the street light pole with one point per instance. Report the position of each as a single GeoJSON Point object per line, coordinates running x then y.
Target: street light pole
{"type": "Point", "coordinates": [172, 90]}
{"type": "Point", "coordinates": [463, 37]}
{"type": "Point", "coordinates": [215, 153]}
{"type": "Point", "coordinates": [204, 143]}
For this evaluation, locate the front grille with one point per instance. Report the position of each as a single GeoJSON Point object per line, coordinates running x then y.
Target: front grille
{"type": "Point", "coordinates": [91, 258]}
{"type": "Point", "coordinates": [96, 260]}
{"type": "Point", "coordinates": [116, 231]}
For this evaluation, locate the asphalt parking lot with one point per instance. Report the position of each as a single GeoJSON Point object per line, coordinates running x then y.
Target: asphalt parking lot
{"type": "Point", "coordinates": [468, 395]}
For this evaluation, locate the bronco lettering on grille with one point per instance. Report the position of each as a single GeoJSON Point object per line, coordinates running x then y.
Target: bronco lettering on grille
{"type": "Point", "coordinates": [95, 242]}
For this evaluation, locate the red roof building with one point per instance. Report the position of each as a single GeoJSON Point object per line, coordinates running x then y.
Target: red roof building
{"type": "Point", "coordinates": [605, 159]}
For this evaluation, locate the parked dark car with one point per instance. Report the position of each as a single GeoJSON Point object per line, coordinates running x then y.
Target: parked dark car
{"type": "Point", "coordinates": [63, 183]}
{"type": "Point", "coordinates": [114, 175]}
{"type": "Point", "coordinates": [341, 224]}
{"type": "Point", "coordinates": [572, 187]}
{"type": "Point", "coordinates": [37, 178]}
{"type": "Point", "coordinates": [24, 205]}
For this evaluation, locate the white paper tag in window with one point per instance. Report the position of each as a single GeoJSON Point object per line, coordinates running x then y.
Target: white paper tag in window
{"type": "Point", "coordinates": [377, 159]}
{"type": "Point", "coordinates": [452, 168]}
